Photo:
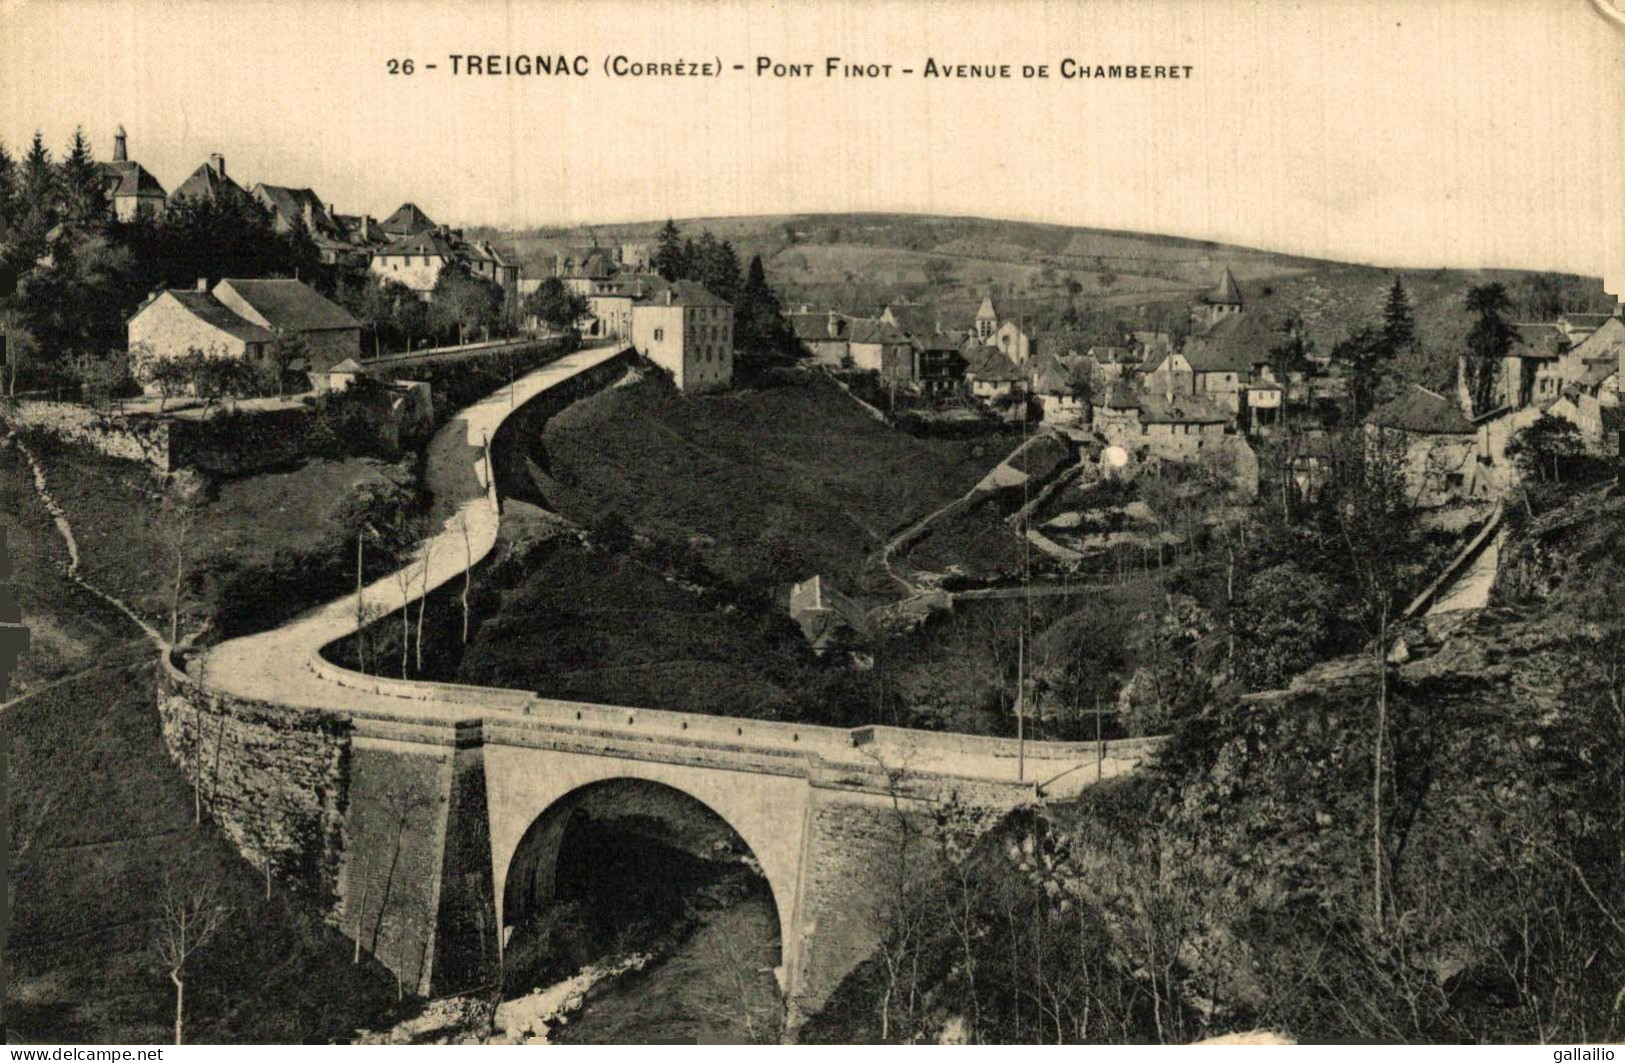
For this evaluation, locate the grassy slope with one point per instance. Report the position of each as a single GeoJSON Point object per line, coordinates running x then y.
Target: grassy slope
{"type": "Point", "coordinates": [781, 482]}
{"type": "Point", "coordinates": [117, 817]}
{"type": "Point", "coordinates": [115, 509]}
{"type": "Point", "coordinates": [599, 627]}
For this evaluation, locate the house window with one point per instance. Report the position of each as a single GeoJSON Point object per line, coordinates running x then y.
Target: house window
{"type": "Point", "coordinates": [660, 334]}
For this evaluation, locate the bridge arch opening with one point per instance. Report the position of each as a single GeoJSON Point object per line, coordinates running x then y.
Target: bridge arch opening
{"type": "Point", "coordinates": [629, 866]}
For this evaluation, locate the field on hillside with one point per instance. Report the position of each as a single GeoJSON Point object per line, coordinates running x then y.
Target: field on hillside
{"type": "Point", "coordinates": [100, 818]}
{"type": "Point", "coordinates": [1113, 280]}
{"type": "Point", "coordinates": [772, 484]}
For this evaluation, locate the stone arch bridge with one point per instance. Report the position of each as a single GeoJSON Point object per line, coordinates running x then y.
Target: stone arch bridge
{"type": "Point", "coordinates": [426, 817]}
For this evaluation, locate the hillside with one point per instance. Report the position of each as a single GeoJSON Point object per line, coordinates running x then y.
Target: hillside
{"type": "Point", "coordinates": [1231, 886]}
{"type": "Point", "coordinates": [771, 483]}
{"type": "Point", "coordinates": [859, 262]}
{"type": "Point", "coordinates": [100, 819]}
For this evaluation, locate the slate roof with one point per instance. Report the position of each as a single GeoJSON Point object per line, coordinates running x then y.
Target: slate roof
{"type": "Point", "coordinates": [1584, 320]}
{"type": "Point", "coordinates": [205, 307]}
{"type": "Point", "coordinates": [1423, 411]}
{"type": "Point", "coordinates": [424, 243]}
{"type": "Point", "coordinates": [865, 330]}
{"type": "Point", "coordinates": [207, 183]}
{"type": "Point", "coordinates": [1234, 344]}
{"type": "Point", "coordinates": [1053, 375]}
{"type": "Point", "coordinates": [685, 293]}
{"type": "Point", "coordinates": [290, 203]}
{"type": "Point", "coordinates": [290, 305]}
{"type": "Point", "coordinates": [936, 341]}
{"type": "Point", "coordinates": [125, 178]}
{"type": "Point", "coordinates": [1539, 340]}
{"type": "Point", "coordinates": [349, 365]}
{"type": "Point", "coordinates": [1607, 342]}
{"type": "Point", "coordinates": [811, 327]}
{"type": "Point", "coordinates": [1228, 293]}
{"type": "Point", "coordinates": [407, 220]}
{"type": "Point", "coordinates": [987, 309]}
{"type": "Point", "coordinates": [1179, 409]}
{"type": "Point", "coordinates": [991, 364]}
{"type": "Point", "coordinates": [1596, 372]}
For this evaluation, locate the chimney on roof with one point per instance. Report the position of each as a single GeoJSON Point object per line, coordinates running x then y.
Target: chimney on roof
{"type": "Point", "coordinates": [217, 163]}
{"type": "Point", "coordinates": [120, 153]}
{"type": "Point", "coordinates": [366, 227]}
{"type": "Point", "coordinates": [668, 296]}
{"type": "Point", "coordinates": [203, 284]}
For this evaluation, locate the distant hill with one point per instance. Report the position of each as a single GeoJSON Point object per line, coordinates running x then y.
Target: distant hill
{"type": "Point", "coordinates": [859, 262]}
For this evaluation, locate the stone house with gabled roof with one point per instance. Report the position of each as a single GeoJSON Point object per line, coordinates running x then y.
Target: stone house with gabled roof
{"type": "Point", "coordinates": [240, 319]}
{"type": "Point", "coordinates": [210, 183]}
{"type": "Point", "coordinates": [415, 261]}
{"type": "Point", "coordinates": [877, 347]}
{"type": "Point", "coordinates": [1440, 445]}
{"type": "Point", "coordinates": [991, 375]}
{"type": "Point", "coordinates": [130, 188]}
{"type": "Point", "coordinates": [290, 307]}
{"type": "Point", "coordinates": [688, 331]}
{"type": "Point", "coordinates": [821, 336]}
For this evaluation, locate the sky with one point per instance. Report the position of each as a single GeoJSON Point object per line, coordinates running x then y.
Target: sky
{"type": "Point", "coordinates": [1417, 134]}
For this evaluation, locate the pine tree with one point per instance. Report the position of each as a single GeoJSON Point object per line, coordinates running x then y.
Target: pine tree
{"type": "Point", "coordinates": [668, 257]}
{"type": "Point", "coordinates": [1398, 322]}
{"type": "Point", "coordinates": [1488, 342]}
{"type": "Point", "coordinates": [8, 194]}
{"type": "Point", "coordinates": [39, 208]}
{"type": "Point", "coordinates": [83, 190]}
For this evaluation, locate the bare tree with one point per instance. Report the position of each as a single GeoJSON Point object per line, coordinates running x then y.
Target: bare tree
{"type": "Point", "coordinates": [423, 600]}
{"type": "Point", "coordinates": [403, 580]}
{"type": "Point", "coordinates": [468, 569]}
{"type": "Point", "coordinates": [189, 916]}
{"type": "Point", "coordinates": [178, 519]}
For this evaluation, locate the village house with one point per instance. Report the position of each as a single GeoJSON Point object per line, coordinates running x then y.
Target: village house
{"type": "Point", "coordinates": [822, 336]}
{"type": "Point", "coordinates": [1577, 328]}
{"type": "Point", "coordinates": [687, 331]}
{"type": "Point", "coordinates": [241, 319]}
{"type": "Point", "coordinates": [1224, 360]}
{"type": "Point", "coordinates": [130, 188]}
{"type": "Point", "coordinates": [1115, 412]}
{"type": "Point", "coordinates": [1177, 424]}
{"type": "Point", "coordinates": [414, 261]}
{"type": "Point", "coordinates": [1439, 446]}
{"type": "Point", "coordinates": [485, 261]}
{"type": "Point", "coordinates": [828, 618]}
{"type": "Point", "coordinates": [210, 183]}
{"type": "Point", "coordinates": [407, 220]}
{"type": "Point", "coordinates": [610, 315]}
{"type": "Point", "coordinates": [589, 274]}
{"type": "Point", "coordinates": [940, 366]}
{"type": "Point", "coordinates": [877, 347]}
{"type": "Point", "coordinates": [991, 375]}
{"type": "Point", "coordinates": [1061, 384]}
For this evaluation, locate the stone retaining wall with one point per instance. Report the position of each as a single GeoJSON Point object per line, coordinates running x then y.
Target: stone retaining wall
{"type": "Point", "coordinates": [275, 778]}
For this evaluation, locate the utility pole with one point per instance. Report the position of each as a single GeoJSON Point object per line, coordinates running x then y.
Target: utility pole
{"type": "Point", "coordinates": [1021, 708]}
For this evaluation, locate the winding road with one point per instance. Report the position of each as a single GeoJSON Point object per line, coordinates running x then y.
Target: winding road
{"type": "Point", "coordinates": [285, 665]}
{"type": "Point", "coordinates": [282, 664]}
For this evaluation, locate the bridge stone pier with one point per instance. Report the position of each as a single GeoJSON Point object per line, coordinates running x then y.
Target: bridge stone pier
{"type": "Point", "coordinates": [428, 830]}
